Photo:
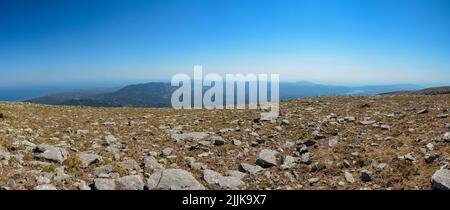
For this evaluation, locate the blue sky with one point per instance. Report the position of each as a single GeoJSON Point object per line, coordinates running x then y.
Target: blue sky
{"type": "Point", "coordinates": [327, 41]}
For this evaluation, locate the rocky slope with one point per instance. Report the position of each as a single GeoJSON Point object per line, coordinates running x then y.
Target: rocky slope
{"type": "Point", "coordinates": [336, 142]}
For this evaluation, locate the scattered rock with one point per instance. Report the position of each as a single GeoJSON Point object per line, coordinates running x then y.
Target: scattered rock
{"type": "Point", "coordinates": [237, 174]}
{"type": "Point", "coordinates": [109, 139]}
{"type": "Point", "coordinates": [348, 177]}
{"type": "Point", "coordinates": [250, 169]}
{"type": "Point", "coordinates": [45, 187]}
{"type": "Point", "coordinates": [429, 158]}
{"type": "Point", "coordinates": [410, 157]}
{"type": "Point", "coordinates": [173, 179]}
{"type": "Point", "coordinates": [225, 182]}
{"type": "Point", "coordinates": [349, 119]}
{"type": "Point", "coordinates": [104, 184]}
{"type": "Point", "coordinates": [133, 182]}
{"type": "Point", "coordinates": [306, 158]}
{"type": "Point", "coordinates": [50, 153]}
{"type": "Point", "coordinates": [367, 122]}
{"type": "Point", "coordinates": [385, 127]}
{"type": "Point", "coordinates": [192, 136]}
{"type": "Point", "coordinates": [88, 158]}
{"type": "Point", "coordinates": [441, 116]}
{"type": "Point", "coordinates": [167, 151]}
{"type": "Point", "coordinates": [211, 177]}
{"type": "Point", "coordinates": [441, 180]}
{"type": "Point", "coordinates": [446, 137]}
{"type": "Point", "coordinates": [313, 180]}
{"type": "Point", "coordinates": [332, 142]}
{"type": "Point", "coordinates": [422, 111]}
{"type": "Point", "coordinates": [267, 158]}
{"type": "Point", "coordinates": [231, 183]}
{"type": "Point", "coordinates": [288, 162]}
{"type": "Point", "coordinates": [217, 140]}
{"type": "Point", "coordinates": [236, 142]}
{"type": "Point", "coordinates": [366, 176]}
{"type": "Point", "coordinates": [151, 164]}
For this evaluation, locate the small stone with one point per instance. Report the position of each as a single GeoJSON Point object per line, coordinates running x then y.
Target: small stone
{"type": "Point", "coordinates": [381, 166]}
{"type": "Point", "coordinates": [83, 186]}
{"type": "Point", "coordinates": [366, 176]}
{"type": "Point", "coordinates": [11, 183]}
{"type": "Point", "coordinates": [151, 164]}
{"type": "Point", "coordinates": [288, 162]}
{"type": "Point", "coordinates": [348, 177]}
{"type": "Point", "coordinates": [217, 140]}
{"type": "Point", "coordinates": [332, 142]}
{"type": "Point", "coordinates": [306, 158]}
{"type": "Point", "coordinates": [302, 149]}
{"type": "Point", "coordinates": [236, 174]}
{"type": "Point", "coordinates": [167, 151]}
{"type": "Point", "coordinates": [410, 157]}
{"type": "Point", "coordinates": [267, 158]}
{"type": "Point", "coordinates": [447, 125]}
{"type": "Point", "coordinates": [430, 146]}
{"type": "Point", "coordinates": [51, 153]}
{"type": "Point", "coordinates": [133, 182]}
{"type": "Point", "coordinates": [285, 122]}
{"type": "Point", "coordinates": [441, 116]}
{"type": "Point", "coordinates": [192, 136]}
{"type": "Point", "coordinates": [446, 137]}
{"type": "Point", "coordinates": [211, 177]}
{"type": "Point", "coordinates": [173, 179]}
{"type": "Point", "coordinates": [236, 142]}
{"type": "Point", "coordinates": [349, 119]}
{"type": "Point", "coordinates": [385, 127]}
{"type": "Point", "coordinates": [88, 158]}
{"type": "Point", "coordinates": [309, 143]}
{"type": "Point", "coordinates": [441, 180]}
{"type": "Point", "coordinates": [367, 122]}
{"type": "Point", "coordinates": [313, 180]}
{"type": "Point", "coordinates": [109, 139]}
{"type": "Point", "coordinates": [429, 158]}
{"type": "Point", "coordinates": [106, 169]}
{"type": "Point", "coordinates": [45, 187]}
{"type": "Point", "coordinates": [231, 183]}
{"type": "Point", "coordinates": [250, 169]}
{"type": "Point", "coordinates": [422, 111]}
{"type": "Point", "coordinates": [104, 184]}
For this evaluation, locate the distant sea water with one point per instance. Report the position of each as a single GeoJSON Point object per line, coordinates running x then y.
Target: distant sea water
{"type": "Point", "coordinates": [24, 92]}
{"type": "Point", "coordinates": [27, 92]}
{"type": "Point", "coordinates": [355, 92]}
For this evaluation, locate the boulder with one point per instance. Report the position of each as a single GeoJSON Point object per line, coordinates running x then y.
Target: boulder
{"type": "Point", "coordinates": [133, 182]}
{"type": "Point", "coordinates": [267, 158]}
{"type": "Point", "coordinates": [50, 153]}
{"type": "Point", "coordinates": [173, 179]}
{"type": "Point", "coordinates": [441, 180]}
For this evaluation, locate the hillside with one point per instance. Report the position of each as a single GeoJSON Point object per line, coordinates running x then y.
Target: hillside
{"type": "Point", "coordinates": [426, 91]}
{"type": "Point", "coordinates": [332, 142]}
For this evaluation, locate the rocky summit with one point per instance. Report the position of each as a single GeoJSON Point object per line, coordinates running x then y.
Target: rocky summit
{"type": "Point", "coordinates": [329, 142]}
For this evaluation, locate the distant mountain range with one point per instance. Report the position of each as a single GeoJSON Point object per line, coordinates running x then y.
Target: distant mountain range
{"type": "Point", "coordinates": [158, 94]}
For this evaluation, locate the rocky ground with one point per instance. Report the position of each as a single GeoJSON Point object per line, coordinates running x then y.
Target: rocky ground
{"type": "Point", "coordinates": [333, 142]}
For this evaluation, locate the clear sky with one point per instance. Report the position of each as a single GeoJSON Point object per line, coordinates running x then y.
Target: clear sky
{"type": "Point", "coordinates": [333, 41]}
